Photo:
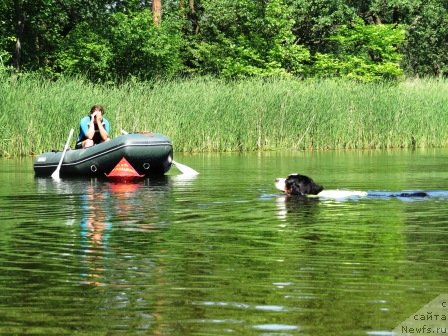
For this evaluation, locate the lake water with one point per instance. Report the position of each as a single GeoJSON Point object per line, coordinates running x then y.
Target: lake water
{"type": "Point", "coordinates": [224, 253]}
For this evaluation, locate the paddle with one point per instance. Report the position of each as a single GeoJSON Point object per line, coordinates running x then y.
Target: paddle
{"type": "Point", "coordinates": [55, 174]}
{"type": "Point", "coordinates": [183, 168]}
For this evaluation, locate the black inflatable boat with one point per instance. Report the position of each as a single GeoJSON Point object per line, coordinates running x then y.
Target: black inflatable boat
{"type": "Point", "coordinates": [148, 153]}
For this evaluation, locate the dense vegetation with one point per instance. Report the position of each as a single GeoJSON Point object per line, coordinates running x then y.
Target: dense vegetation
{"type": "Point", "coordinates": [216, 115]}
{"type": "Point", "coordinates": [141, 40]}
{"type": "Point", "coordinates": [226, 75]}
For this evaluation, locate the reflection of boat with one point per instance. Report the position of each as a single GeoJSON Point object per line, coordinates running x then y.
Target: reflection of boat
{"type": "Point", "coordinates": [149, 154]}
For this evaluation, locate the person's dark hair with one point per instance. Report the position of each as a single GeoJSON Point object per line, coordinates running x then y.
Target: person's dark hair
{"type": "Point", "coordinates": [99, 107]}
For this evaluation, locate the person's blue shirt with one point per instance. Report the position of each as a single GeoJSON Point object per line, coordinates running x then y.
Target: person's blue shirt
{"type": "Point", "coordinates": [84, 127]}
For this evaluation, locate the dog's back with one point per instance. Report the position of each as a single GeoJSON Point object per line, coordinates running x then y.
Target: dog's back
{"type": "Point", "coordinates": [302, 185]}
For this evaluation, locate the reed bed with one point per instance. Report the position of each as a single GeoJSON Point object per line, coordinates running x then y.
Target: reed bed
{"type": "Point", "coordinates": [205, 114]}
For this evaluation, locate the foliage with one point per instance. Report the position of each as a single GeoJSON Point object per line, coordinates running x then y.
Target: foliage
{"type": "Point", "coordinates": [127, 46]}
{"type": "Point", "coordinates": [261, 44]}
{"type": "Point", "coordinates": [5, 58]}
{"type": "Point", "coordinates": [426, 48]}
{"type": "Point", "coordinates": [4, 40]}
{"type": "Point", "coordinates": [364, 52]}
{"type": "Point", "coordinates": [316, 20]}
{"type": "Point", "coordinates": [144, 50]}
{"type": "Point", "coordinates": [87, 53]}
{"type": "Point", "coordinates": [39, 26]}
{"type": "Point", "coordinates": [394, 11]}
{"type": "Point", "coordinates": [106, 40]}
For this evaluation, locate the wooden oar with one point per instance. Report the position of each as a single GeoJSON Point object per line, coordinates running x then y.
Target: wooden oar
{"type": "Point", "coordinates": [183, 168]}
{"type": "Point", "coordinates": [55, 174]}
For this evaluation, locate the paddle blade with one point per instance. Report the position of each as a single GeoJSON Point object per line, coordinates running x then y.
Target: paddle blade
{"type": "Point", "coordinates": [55, 174]}
{"type": "Point", "coordinates": [185, 169]}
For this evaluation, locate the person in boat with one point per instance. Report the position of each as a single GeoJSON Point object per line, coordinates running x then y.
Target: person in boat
{"type": "Point", "coordinates": [93, 129]}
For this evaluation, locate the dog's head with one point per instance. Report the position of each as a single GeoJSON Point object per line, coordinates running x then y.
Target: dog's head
{"type": "Point", "coordinates": [296, 184]}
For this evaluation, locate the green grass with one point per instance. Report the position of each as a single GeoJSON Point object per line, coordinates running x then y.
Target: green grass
{"type": "Point", "coordinates": [213, 115]}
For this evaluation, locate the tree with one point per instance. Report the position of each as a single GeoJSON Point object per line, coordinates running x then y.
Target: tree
{"type": "Point", "coordinates": [394, 11]}
{"type": "Point", "coordinates": [85, 52]}
{"type": "Point", "coordinates": [364, 52]}
{"type": "Point", "coordinates": [426, 47]}
{"type": "Point", "coordinates": [39, 26]}
{"type": "Point", "coordinates": [157, 11]}
{"type": "Point", "coordinates": [142, 50]}
{"type": "Point", "coordinates": [230, 38]}
{"type": "Point", "coordinates": [248, 38]}
{"type": "Point", "coordinates": [316, 20]}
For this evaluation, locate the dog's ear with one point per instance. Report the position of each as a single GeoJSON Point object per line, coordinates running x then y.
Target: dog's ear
{"type": "Point", "coordinates": [295, 189]}
{"type": "Point", "coordinates": [297, 184]}
{"type": "Point", "coordinates": [292, 185]}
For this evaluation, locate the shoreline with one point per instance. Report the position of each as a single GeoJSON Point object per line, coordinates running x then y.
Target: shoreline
{"type": "Point", "coordinates": [212, 115]}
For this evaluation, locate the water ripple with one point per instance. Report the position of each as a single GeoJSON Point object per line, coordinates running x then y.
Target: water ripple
{"type": "Point", "coordinates": [218, 255]}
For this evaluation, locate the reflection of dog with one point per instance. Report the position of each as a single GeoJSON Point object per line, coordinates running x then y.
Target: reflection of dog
{"type": "Point", "coordinates": [301, 185]}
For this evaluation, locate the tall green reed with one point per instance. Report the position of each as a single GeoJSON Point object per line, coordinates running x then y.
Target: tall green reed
{"type": "Point", "coordinates": [205, 114]}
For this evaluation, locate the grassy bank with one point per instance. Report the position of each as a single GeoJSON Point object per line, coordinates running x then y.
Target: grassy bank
{"type": "Point", "coordinates": [212, 115]}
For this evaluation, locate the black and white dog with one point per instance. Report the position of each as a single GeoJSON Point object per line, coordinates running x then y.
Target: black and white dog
{"type": "Point", "coordinates": [301, 185]}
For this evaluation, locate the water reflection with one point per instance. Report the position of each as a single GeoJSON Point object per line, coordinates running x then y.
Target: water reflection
{"type": "Point", "coordinates": [95, 228]}
{"type": "Point", "coordinates": [108, 213]}
{"type": "Point", "coordinates": [184, 180]}
{"type": "Point", "coordinates": [305, 207]}
{"type": "Point", "coordinates": [220, 254]}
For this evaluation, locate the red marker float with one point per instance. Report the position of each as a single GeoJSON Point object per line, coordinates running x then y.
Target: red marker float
{"type": "Point", "coordinates": [124, 171]}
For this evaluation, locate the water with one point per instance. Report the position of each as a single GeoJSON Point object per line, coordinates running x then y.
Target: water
{"type": "Point", "coordinates": [224, 253]}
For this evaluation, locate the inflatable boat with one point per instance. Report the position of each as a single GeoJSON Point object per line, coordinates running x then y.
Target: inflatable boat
{"type": "Point", "coordinates": [147, 153]}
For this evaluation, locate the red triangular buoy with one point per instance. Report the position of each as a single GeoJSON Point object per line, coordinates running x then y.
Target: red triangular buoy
{"type": "Point", "coordinates": [124, 171]}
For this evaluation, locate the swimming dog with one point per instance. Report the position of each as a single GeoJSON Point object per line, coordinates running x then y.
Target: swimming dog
{"type": "Point", "coordinates": [301, 185]}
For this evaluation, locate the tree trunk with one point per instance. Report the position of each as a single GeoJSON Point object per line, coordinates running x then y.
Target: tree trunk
{"type": "Point", "coordinates": [17, 54]}
{"type": "Point", "coordinates": [20, 26]}
{"type": "Point", "coordinates": [376, 19]}
{"type": "Point", "coordinates": [193, 16]}
{"type": "Point", "coordinates": [157, 12]}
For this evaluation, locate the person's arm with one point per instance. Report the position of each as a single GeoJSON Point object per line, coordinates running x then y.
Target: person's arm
{"type": "Point", "coordinates": [90, 127]}
{"type": "Point", "coordinates": [103, 130]}
{"type": "Point", "coordinates": [87, 129]}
